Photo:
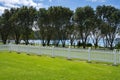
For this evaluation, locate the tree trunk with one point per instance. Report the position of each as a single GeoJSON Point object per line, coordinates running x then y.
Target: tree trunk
{"type": "Point", "coordinates": [111, 47]}
{"type": "Point", "coordinates": [4, 39]}
{"type": "Point", "coordinates": [26, 42]}
{"type": "Point", "coordinates": [63, 44]}
{"type": "Point", "coordinates": [71, 42]}
{"type": "Point", "coordinates": [48, 42]}
{"type": "Point", "coordinates": [74, 45]}
{"type": "Point", "coordinates": [17, 40]}
{"type": "Point", "coordinates": [78, 44]}
{"type": "Point", "coordinates": [84, 45]}
{"type": "Point", "coordinates": [43, 43]}
{"type": "Point", "coordinates": [96, 44]}
{"type": "Point", "coordinates": [56, 43]}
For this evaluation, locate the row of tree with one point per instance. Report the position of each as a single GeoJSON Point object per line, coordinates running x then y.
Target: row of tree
{"type": "Point", "coordinates": [59, 23]}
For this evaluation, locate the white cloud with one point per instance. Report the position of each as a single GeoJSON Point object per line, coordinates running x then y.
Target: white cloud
{"type": "Point", "coordinates": [2, 9]}
{"type": "Point", "coordinates": [50, 0]}
{"type": "Point", "coordinates": [27, 2]}
{"type": "Point", "coordinates": [56, 0]}
{"type": "Point", "coordinates": [9, 1]}
{"type": "Point", "coordinates": [97, 0]}
{"type": "Point", "coordinates": [7, 4]}
{"type": "Point", "coordinates": [40, 5]}
{"type": "Point", "coordinates": [10, 5]}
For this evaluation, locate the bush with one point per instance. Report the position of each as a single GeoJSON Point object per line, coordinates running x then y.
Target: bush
{"type": "Point", "coordinates": [78, 44]}
{"type": "Point", "coordinates": [89, 45]}
{"type": "Point", "coordinates": [81, 44]}
{"type": "Point", "coordinates": [117, 46]}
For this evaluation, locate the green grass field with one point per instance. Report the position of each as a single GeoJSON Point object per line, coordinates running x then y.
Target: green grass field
{"type": "Point", "coordinates": [15, 66]}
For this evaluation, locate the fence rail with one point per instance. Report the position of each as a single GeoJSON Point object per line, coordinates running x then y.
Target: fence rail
{"type": "Point", "coordinates": [70, 53]}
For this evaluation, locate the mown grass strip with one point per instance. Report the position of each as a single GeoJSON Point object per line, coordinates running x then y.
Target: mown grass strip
{"type": "Point", "coordinates": [15, 66]}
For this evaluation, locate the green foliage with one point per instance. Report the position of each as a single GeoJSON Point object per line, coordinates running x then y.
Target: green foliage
{"type": "Point", "coordinates": [89, 45]}
{"type": "Point", "coordinates": [59, 23]}
{"type": "Point", "coordinates": [84, 17]}
{"type": "Point", "coordinates": [27, 16]}
{"type": "Point", "coordinates": [5, 25]}
{"type": "Point", "coordinates": [111, 18]}
{"type": "Point", "coordinates": [117, 46]}
{"type": "Point", "coordinates": [16, 29]}
{"type": "Point", "coordinates": [79, 44]}
{"type": "Point", "coordinates": [54, 24]}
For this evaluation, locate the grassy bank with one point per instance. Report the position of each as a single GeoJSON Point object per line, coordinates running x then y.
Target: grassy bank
{"type": "Point", "coordinates": [15, 66]}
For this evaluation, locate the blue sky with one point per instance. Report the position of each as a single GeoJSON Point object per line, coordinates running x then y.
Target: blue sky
{"type": "Point", "coordinates": [72, 4]}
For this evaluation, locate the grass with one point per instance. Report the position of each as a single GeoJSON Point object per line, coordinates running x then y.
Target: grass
{"type": "Point", "coordinates": [15, 66]}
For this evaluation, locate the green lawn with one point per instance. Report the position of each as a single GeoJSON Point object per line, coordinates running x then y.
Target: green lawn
{"type": "Point", "coordinates": [15, 66]}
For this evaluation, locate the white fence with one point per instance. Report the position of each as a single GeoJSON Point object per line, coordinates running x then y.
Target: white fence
{"type": "Point", "coordinates": [70, 53]}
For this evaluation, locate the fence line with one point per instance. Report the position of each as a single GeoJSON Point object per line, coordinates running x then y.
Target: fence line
{"type": "Point", "coordinates": [83, 54]}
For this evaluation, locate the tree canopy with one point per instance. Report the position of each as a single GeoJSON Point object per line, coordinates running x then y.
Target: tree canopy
{"type": "Point", "coordinates": [58, 24]}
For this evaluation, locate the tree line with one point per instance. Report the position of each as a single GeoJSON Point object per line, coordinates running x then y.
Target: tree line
{"type": "Point", "coordinates": [59, 23]}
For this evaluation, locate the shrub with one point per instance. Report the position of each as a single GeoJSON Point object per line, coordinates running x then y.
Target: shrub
{"type": "Point", "coordinates": [117, 46]}
{"type": "Point", "coordinates": [89, 45]}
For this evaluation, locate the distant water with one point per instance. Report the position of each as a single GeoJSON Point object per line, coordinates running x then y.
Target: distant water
{"type": "Point", "coordinates": [67, 42]}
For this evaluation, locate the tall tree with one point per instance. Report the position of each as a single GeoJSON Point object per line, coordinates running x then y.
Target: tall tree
{"type": "Point", "coordinates": [15, 23]}
{"type": "Point", "coordinates": [111, 16]}
{"type": "Point", "coordinates": [96, 32]}
{"type": "Point", "coordinates": [44, 26]}
{"type": "Point", "coordinates": [84, 20]}
{"type": "Point", "coordinates": [5, 25]}
{"type": "Point", "coordinates": [27, 16]}
{"type": "Point", "coordinates": [60, 19]}
{"type": "Point", "coordinates": [54, 14]}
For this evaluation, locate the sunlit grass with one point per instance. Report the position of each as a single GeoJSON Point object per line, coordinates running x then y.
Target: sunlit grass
{"type": "Point", "coordinates": [15, 66]}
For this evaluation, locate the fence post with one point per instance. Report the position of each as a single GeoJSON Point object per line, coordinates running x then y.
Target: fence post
{"type": "Point", "coordinates": [39, 51]}
{"type": "Point", "coordinates": [18, 49]}
{"type": "Point", "coordinates": [69, 58]}
{"type": "Point", "coordinates": [89, 54]}
{"type": "Point", "coordinates": [53, 52]}
{"type": "Point", "coordinates": [9, 47]}
{"type": "Point", "coordinates": [115, 57]}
